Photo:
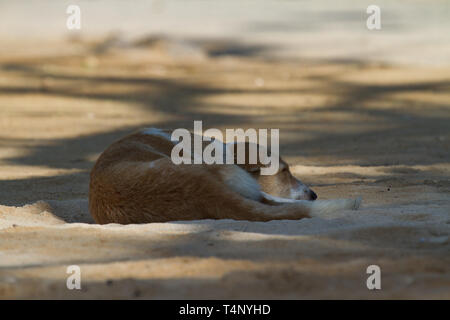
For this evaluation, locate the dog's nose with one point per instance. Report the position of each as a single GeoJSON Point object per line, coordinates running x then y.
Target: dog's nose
{"type": "Point", "coordinates": [312, 195]}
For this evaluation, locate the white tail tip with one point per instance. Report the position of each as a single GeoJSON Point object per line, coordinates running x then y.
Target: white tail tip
{"type": "Point", "coordinates": [319, 207]}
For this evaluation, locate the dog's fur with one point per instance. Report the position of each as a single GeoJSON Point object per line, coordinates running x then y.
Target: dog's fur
{"type": "Point", "coordinates": [135, 181]}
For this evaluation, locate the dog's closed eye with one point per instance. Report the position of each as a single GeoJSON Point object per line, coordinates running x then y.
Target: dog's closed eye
{"type": "Point", "coordinates": [254, 170]}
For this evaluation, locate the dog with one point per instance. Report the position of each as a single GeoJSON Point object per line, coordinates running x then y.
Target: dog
{"type": "Point", "coordinates": [135, 181]}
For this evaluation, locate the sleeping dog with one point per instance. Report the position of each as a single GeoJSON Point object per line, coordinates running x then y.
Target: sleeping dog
{"type": "Point", "coordinates": [135, 181]}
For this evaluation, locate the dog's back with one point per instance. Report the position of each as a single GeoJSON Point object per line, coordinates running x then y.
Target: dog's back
{"type": "Point", "coordinates": [135, 181]}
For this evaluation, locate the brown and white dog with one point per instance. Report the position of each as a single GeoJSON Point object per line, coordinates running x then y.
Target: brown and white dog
{"type": "Point", "coordinates": [135, 181]}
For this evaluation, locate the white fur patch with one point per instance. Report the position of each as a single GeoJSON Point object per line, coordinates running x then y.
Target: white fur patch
{"type": "Point", "coordinates": [320, 207]}
{"type": "Point", "coordinates": [241, 182]}
{"type": "Point", "coordinates": [278, 199]}
{"type": "Point", "coordinates": [298, 192]}
{"type": "Point", "coordinates": [156, 132]}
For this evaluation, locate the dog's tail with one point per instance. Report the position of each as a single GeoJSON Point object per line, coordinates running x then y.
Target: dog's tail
{"type": "Point", "coordinates": [320, 207]}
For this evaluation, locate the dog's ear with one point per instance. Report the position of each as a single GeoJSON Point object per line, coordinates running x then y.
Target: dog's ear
{"type": "Point", "coordinates": [247, 147]}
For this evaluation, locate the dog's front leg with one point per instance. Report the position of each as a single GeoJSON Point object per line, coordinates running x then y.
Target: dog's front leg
{"type": "Point", "coordinates": [316, 207]}
{"type": "Point", "coordinates": [274, 200]}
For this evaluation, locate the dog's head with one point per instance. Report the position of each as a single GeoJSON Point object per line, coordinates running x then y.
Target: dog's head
{"type": "Point", "coordinates": [282, 183]}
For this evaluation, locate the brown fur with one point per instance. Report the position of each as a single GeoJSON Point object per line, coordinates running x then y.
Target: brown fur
{"type": "Point", "coordinates": [128, 186]}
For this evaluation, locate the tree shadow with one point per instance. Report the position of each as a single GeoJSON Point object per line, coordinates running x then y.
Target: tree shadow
{"type": "Point", "coordinates": [183, 101]}
{"type": "Point", "coordinates": [263, 267]}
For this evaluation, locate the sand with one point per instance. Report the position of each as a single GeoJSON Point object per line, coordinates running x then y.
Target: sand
{"type": "Point", "coordinates": [348, 128]}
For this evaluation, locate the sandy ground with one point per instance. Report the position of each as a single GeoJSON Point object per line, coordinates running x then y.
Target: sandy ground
{"type": "Point", "coordinates": [348, 128]}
